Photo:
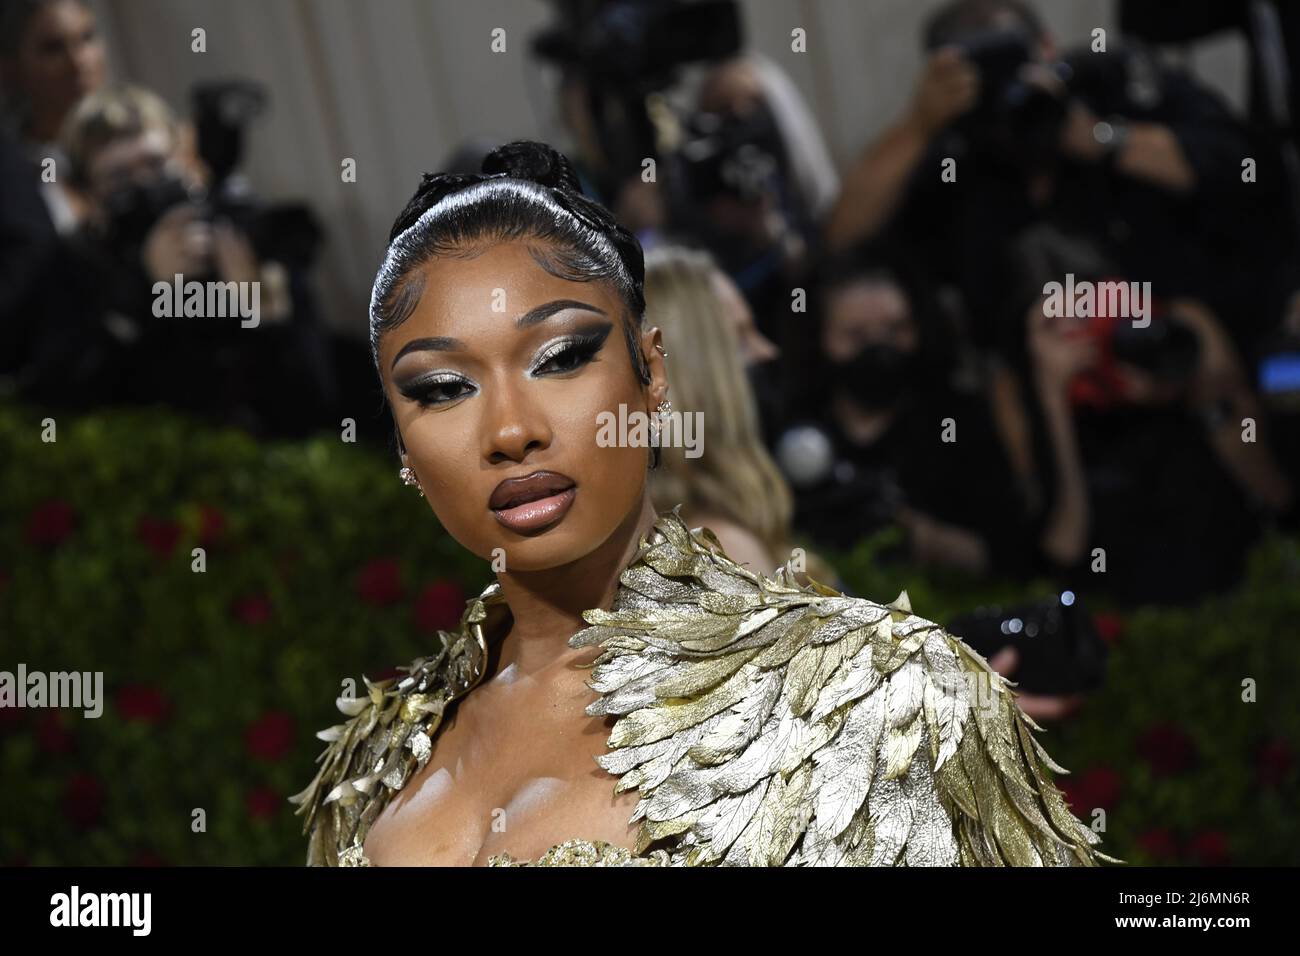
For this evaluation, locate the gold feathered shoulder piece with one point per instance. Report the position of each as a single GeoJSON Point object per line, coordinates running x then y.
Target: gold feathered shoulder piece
{"type": "Point", "coordinates": [387, 738]}
{"type": "Point", "coordinates": [766, 723]}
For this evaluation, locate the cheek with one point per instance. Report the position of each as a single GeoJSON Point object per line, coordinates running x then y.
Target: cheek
{"type": "Point", "coordinates": [615, 473]}
{"type": "Point", "coordinates": [445, 450]}
{"type": "Point", "coordinates": [837, 346]}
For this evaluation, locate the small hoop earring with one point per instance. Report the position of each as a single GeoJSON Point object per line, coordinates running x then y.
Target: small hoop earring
{"type": "Point", "coordinates": [661, 351]}
{"type": "Point", "coordinates": [662, 409]}
{"type": "Point", "coordinates": [408, 478]}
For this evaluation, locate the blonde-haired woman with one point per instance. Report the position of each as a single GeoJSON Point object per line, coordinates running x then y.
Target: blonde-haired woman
{"type": "Point", "coordinates": [733, 486]}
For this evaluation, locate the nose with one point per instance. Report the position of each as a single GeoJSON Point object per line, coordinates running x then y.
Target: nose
{"type": "Point", "coordinates": [515, 425]}
{"type": "Point", "coordinates": [83, 61]}
{"type": "Point", "coordinates": [762, 349]}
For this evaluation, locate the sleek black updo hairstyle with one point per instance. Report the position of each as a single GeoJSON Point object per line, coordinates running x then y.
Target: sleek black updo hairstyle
{"type": "Point", "coordinates": [526, 190]}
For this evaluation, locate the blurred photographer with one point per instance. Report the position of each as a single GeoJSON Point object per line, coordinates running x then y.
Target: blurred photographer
{"type": "Point", "coordinates": [751, 178]}
{"type": "Point", "coordinates": [1104, 143]}
{"type": "Point", "coordinates": [1155, 448]}
{"type": "Point", "coordinates": [51, 55]}
{"type": "Point", "coordinates": [740, 167]}
{"type": "Point", "coordinates": [896, 443]}
{"type": "Point", "coordinates": [103, 337]}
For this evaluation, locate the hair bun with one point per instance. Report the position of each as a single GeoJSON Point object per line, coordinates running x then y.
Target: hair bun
{"type": "Point", "coordinates": [537, 162]}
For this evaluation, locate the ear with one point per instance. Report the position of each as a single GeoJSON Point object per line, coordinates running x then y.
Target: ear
{"type": "Point", "coordinates": [651, 342]}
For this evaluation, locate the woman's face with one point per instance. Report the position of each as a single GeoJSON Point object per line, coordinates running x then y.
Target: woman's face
{"type": "Point", "coordinates": [755, 347]}
{"type": "Point", "coordinates": [500, 372]}
{"type": "Point", "coordinates": [140, 160]}
{"type": "Point", "coordinates": [868, 312]}
{"type": "Point", "coordinates": [61, 58]}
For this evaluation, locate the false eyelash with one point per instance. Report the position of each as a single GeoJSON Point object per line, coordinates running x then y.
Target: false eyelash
{"type": "Point", "coordinates": [583, 347]}
{"type": "Point", "coordinates": [423, 389]}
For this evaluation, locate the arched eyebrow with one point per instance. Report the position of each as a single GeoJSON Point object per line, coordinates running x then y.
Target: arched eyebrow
{"type": "Point", "coordinates": [445, 343]}
{"type": "Point", "coordinates": [544, 312]}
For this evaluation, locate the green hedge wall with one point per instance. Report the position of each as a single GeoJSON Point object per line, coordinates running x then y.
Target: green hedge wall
{"type": "Point", "coordinates": [321, 565]}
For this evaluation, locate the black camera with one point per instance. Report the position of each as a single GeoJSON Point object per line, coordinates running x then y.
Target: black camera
{"type": "Point", "coordinates": [288, 233]}
{"type": "Point", "coordinates": [724, 154]}
{"type": "Point", "coordinates": [1059, 647]}
{"type": "Point", "coordinates": [1166, 348]}
{"type": "Point", "coordinates": [639, 42]}
{"type": "Point", "coordinates": [132, 210]}
{"type": "Point", "coordinates": [625, 50]}
{"type": "Point", "coordinates": [1015, 120]}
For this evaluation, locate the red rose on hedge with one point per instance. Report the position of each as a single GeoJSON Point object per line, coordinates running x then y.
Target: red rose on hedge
{"type": "Point", "coordinates": [142, 703]}
{"type": "Point", "coordinates": [1209, 848]}
{"type": "Point", "coordinates": [1273, 763]}
{"type": "Point", "coordinates": [271, 736]}
{"type": "Point", "coordinates": [212, 526]}
{"type": "Point", "coordinates": [262, 803]}
{"type": "Point", "coordinates": [1109, 626]}
{"type": "Point", "coordinates": [51, 735]}
{"type": "Point", "coordinates": [1159, 844]}
{"type": "Point", "coordinates": [380, 582]}
{"type": "Point", "coordinates": [159, 535]}
{"type": "Point", "coordinates": [1166, 749]}
{"type": "Point", "coordinates": [50, 522]}
{"type": "Point", "coordinates": [1097, 787]}
{"type": "Point", "coordinates": [253, 609]}
{"type": "Point", "coordinates": [83, 799]}
{"type": "Point", "coordinates": [439, 607]}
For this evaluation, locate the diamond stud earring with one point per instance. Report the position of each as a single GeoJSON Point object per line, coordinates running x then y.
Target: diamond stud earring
{"type": "Point", "coordinates": [408, 478]}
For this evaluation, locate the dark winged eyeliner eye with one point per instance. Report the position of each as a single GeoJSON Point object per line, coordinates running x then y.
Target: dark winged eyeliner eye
{"type": "Point", "coordinates": [425, 388]}
{"type": "Point", "coordinates": [576, 349]}
{"type": "Point", "coordinates": [583, 345]}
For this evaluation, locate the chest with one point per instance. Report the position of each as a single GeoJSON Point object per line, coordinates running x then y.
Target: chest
{"type": "Point", "coordinates": [509, 773]}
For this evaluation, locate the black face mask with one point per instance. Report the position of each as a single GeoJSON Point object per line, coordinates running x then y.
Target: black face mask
{"type": "Point", "coordinates": [877, 377]}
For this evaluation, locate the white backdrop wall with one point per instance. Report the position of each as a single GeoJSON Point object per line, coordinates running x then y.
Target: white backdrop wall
{"type": "Point", "coordinates": [396, 84]}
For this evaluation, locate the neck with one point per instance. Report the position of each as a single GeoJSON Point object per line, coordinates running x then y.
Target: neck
{"type": "Point", "coordinates": [546, 606]}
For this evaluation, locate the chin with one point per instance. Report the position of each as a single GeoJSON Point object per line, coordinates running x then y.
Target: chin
{"type": "Point", "coordinates": [554, 549]}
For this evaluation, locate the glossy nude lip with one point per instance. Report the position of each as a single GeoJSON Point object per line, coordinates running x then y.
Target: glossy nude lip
{"type": "Point", "coordinates": [534, 502]}
{"type": "Point", "coordinates": [539, 514]}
